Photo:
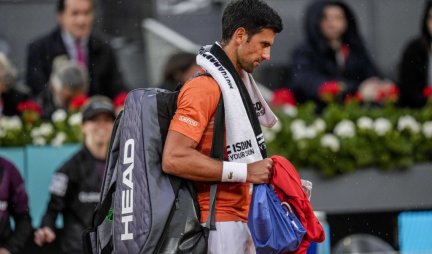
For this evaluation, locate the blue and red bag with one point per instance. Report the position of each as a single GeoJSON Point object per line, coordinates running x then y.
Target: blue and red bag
{"type": "Point", "coordinates": [274, 227]}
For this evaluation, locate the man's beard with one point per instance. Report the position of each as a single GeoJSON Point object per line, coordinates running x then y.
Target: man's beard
{"type": "Point", "coordinates": [249, 68]}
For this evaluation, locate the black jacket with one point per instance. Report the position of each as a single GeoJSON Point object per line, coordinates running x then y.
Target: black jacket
{"type": "Point", "coordinates": [314, 62]}
{"type": "Point", "coordinates": [413, 73]}
{"type": "Point", "coordinates": [11, 98]}
{"type": "Point", "coordinates": [414, 66]}
{"type": "Point", "coordinates": [74, 189]}
{"type": "Point", "coordinates": [13, 204]}
{"type": "Point", "coordinates": [105, 77]}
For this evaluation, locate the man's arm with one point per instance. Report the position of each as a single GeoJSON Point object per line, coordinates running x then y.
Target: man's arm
{"type": "Point", "coordinates": [58, 190]}
{"type": "Point", "coordinates": [180, 158]}
{"type": "Point", "coordinates": [20, 213]}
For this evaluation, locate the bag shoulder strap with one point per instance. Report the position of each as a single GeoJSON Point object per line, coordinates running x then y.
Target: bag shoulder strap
{"type": "Point", "coordinates": [217, 152]}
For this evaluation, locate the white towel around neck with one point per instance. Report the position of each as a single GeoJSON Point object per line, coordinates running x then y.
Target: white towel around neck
{"type": "Point", "coordinates": [242, 144]}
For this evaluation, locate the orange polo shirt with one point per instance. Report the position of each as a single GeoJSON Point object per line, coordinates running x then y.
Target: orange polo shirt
{"type": "Point", "coordinates": [194, 118]}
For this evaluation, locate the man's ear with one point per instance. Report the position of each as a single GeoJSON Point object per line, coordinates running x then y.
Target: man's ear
{"type": "Point", "coordinates": [240, 35]}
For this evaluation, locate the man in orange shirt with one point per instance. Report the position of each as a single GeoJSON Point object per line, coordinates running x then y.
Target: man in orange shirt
{"type": "Point", "coordinates": [248, 31]}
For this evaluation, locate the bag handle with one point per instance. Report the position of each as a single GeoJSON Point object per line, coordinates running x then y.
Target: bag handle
{"type": "Point", "coordinates": [288, 207]}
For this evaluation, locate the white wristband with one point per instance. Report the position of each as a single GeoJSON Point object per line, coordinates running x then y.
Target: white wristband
{"type": "Point", "coordinates": [234, 172]}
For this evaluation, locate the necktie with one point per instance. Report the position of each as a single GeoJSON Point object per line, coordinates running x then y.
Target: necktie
{"type": "Point", "coordinates": [80, 55]}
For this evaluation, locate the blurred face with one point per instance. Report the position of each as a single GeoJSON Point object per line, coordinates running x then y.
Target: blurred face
{"type": "Point", "coordinates": [77, 18]}
{"type": "Point", "coordinates": [253, 50]}
{"type": "Point", "coordinates": [97, 130]}
{"type": "Point", "coordinates": [333, 23]}
{"type": "Point", "coordinates": [429, 22]}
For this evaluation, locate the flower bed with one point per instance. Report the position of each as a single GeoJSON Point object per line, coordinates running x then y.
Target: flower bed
{"type": "Point", "coordinates": [64, 127]}
{"type": "Point", "coordinates": [346, 137]}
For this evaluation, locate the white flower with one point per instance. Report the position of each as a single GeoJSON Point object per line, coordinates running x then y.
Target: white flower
{"type": "Point", "coordinates": [297, 124]}
{"type": "Point", "coordinates": [46, 129]}
{"type": "Point", "coordinates": [59, 139]}
{"type": "Point", "coordinates": [290, 110]}
{"type": "Point", "coordinates": [15, 123]}
{"type": "Point", "coordinates": [382, 126]}
{"type": "Point", "coordinates": [330, 141]}
{"type": "Point", "coordinates": [299, 133]}
{"type": "Point", "coordinates": [365, 123]}
{"type": "Point", "coordinates": [59, 115]}
{"type": "Point", "coordinates": [319, 125]}
{"type": "Point", "coordinates": [75, 119]}
{"type": "Point", "coordinates": [427, 129]}
{"type": "Point", "coordinates": [298, 127]}
{"type": "Point", "coordinates": [35, 132]}
{"type": "Point", "coordinates": [3, 122]}
{"type": "Point", "coordinates": [39, 141]}
{"type": "Point", "coordinates": [10, 123]}
{"type": "Point", "coordinates": [310, 132]}
{"type": "Point", "coordinates": [408, 122]}
{"type": "Point", "coordinates": [304, 133]}
{"type": "Point", "coordinates": [345, 129]}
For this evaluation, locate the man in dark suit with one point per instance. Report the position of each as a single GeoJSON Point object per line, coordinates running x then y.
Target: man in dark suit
{"type": "Point", "coordinates": [74, 39]}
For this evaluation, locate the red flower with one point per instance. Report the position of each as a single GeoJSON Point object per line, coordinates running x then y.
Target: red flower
{"type": "Point", "coordinates": [388, 94]}
{"type": "Point", "coordinates": [77, 102]}
{"type": "Point", "coordinates": [330, 88]}
{"type": "Point", "coordinates": [120, 99]}
{"type": "Point", "coordinates": [283, 97]}
{"type": "Point", "coordinates": [328, 91]}
{"type": "Point", "coordinates": [30, 106]}
{"type": "Point", "coordinates": [350, 98]}
{"type": "Point", "coordinates": [427, 91]}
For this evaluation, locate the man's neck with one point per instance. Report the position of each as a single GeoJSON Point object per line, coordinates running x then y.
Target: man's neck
{"type": "Point", "coordinates": [231, 53]}
{"type": "Point", "coordinates": [98, 151]}
{"type": "Point", "coordinates": [69, 37]}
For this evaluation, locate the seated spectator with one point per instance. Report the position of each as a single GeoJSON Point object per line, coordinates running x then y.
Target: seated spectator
{"type": "Point", "coordinates": [333, 53]}
{"type": "Point", "coordinates": [179, 68]}
{"type": "Point", "coordinates": [75, 40]}
{"type": "Point", "coordinates": [75, 187]}
{"type": "Point", "coordinates": [415, 70]}
{"type": "Point", "coordinates": [67, 81]}
{"type": "Point", "coordinates": [9, 96]}
{"type": "Point", "coordinates": [13, 204]}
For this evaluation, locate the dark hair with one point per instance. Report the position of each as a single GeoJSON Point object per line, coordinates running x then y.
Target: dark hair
{"type": "Point", "coordinates": [178, 63]}
{"type": "Point", "coordinates": [424, 28]}
{"type": "Point", "coordinates": [313, 17]}
{"type": "Point", "coordinates": [61, 5]}
{"type": "Point", "coordinates": [253, 15]}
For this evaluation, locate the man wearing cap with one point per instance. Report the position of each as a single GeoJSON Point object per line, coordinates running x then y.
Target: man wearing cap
{"type": "Point", "coordinates": [75, 186]}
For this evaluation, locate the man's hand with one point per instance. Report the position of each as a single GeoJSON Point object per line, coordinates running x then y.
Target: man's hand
{"type": "Point", "coordinates": [4, 251]}
{"type": "Point", "coordinates": [260, 171]}
{"type": "Point", "coordinates": [44, 235]}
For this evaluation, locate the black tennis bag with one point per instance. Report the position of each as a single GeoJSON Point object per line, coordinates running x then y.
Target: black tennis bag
{"type": "Point", "coordinates": [142, 209]}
